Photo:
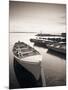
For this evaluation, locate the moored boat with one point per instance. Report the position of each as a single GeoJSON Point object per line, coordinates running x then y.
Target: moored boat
{"type": "Point", "coordinates": [58, 47]}
{"type": "Point", "coordinates": [30, 59]}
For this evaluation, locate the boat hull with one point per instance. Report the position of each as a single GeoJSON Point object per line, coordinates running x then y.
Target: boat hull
{"type": "Point", "coordinates": [57, 50]}
{"type": "Point", "coordinates": [30, 60]}
{"type": "Point", "coordinates": [25, 77]}
{"type": "Point", "coordinates": [34, 69]}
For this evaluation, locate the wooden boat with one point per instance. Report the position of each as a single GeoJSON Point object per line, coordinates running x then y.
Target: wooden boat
{"type": "Point", "coordinates": [58, 47]}
{"type": "Point", "coordinates": [30, 59]}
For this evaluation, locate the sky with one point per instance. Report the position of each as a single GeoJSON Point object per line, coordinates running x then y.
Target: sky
{"type": "Point", "coordinates": [37, 17]}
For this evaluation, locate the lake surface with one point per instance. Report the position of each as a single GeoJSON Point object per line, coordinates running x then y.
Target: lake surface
{"type": "Point", "coordinates": [54, 64]}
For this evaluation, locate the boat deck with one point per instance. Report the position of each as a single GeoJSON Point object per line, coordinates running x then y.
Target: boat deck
{"type": "Point", "coordinates": [22, 50]}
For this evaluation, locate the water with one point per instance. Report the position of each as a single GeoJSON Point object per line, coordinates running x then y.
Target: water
{"type": "Point", "coordinates": [54, 64]}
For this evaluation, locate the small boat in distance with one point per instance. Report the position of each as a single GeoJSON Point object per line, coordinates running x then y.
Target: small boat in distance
{"type": "Point", "coordinates": [43, 39]}
{"type": "Point", "coordinates": [58, 47]}
{"type": "Point", "coordinates": [30, 59]}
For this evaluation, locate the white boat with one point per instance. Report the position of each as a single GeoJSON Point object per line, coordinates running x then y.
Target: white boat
{"type": "Point", "coordinates": [30, 59]}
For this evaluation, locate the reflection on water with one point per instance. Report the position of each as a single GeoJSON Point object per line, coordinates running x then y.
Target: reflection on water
{"type": "Point", "coordinates": [54, 64]}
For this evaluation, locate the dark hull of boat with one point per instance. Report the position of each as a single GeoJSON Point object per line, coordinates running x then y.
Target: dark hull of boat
{"type": "Point", "coordinates": [57, 50]}
{"type": "Point", "coordinates": [25, 78]}
{"type": "Point", "coordinates": [32, 40]}
{"type": "Point", "coordinates": [28, 67]}
{"type": "Point", "coordinates": [40, 43]}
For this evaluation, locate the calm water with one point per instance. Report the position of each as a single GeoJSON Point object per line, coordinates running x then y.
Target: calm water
{"type": "Point", "coordinates": [54, 64]}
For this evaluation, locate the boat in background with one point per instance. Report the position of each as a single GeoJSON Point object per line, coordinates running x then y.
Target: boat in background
{"type": "Point", "coordinates": [58, 47]}
{"type": "Point", "coordinates": [43, 39]}
{"type": "Point", "coordinates": [30, 59]}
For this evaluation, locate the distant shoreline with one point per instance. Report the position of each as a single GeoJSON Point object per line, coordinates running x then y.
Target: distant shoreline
{"type": "Point", "coordinates": [22, 32]}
